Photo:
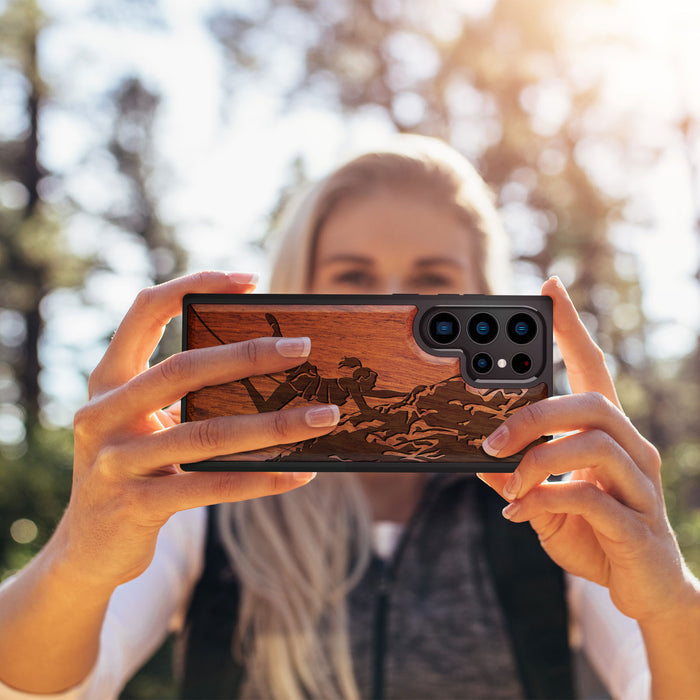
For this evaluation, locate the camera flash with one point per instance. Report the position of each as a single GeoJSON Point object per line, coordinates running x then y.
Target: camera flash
{"type": "Point", "coordinates": [501, 363]}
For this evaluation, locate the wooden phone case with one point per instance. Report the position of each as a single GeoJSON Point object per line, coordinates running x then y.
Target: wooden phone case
{"type": "Point", "coordinates": [402, 408]}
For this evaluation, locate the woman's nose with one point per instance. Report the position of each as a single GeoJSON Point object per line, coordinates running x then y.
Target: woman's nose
{"type": "Point", "coordinates": [391, 285]}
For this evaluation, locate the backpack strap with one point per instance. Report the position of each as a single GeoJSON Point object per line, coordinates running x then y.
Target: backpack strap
{"type": "Point", "coordinates": [531, 590]}
{"type": "Point", "coordinates": [205, 666]}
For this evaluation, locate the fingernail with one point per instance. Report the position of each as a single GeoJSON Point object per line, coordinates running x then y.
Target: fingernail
{"type": "Point", "coordinates": [512, 488]}
{"type": "Point", "coordinates": [510, 510]}
{"type": "Point", "coordinates": [557, 281]}
{"type": "Point", "coordinates": [243, 277]}
{"type": "Point", "coordinates": [496, 441]}
{"type": "Point", "coordinates": [322, 416]}
{"type": "Point", "coordinates": [303, 476]}
{"type": "Point", "coordinates": [293, 347]}
{"type": "Point", "coordinates": [560, 284]}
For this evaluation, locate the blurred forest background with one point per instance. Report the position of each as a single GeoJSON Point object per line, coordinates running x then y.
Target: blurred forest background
{"type": "Point", "coordinates": [583, 115]}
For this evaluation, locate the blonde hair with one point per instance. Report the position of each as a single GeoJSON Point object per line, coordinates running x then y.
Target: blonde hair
{"type": "Point", "coordinates": [422, 166]}
{"type": "Point", "coordinates": [297, 555]}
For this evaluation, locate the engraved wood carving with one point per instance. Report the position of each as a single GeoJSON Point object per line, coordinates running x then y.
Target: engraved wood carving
{"type": "Point", "coordinates": [397, 402]}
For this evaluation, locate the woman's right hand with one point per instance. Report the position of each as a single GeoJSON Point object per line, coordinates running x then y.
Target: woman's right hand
{"type": "Point", "coordinates": [126, 476]}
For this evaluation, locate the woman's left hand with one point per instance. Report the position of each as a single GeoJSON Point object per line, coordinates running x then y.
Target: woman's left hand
{"type": "Point", "coordinates": [608, 523]}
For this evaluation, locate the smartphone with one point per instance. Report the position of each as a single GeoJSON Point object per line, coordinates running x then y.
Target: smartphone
{"type": "Point", "coordinates": [420, 380]}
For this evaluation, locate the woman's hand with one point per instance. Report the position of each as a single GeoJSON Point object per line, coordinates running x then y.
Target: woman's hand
{"type": "Point", "coordinates": [608, 523]}
{"type": "Point", "coordinates": [126, 479]}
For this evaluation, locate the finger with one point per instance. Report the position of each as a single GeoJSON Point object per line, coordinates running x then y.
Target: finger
{"type": "Point", "coordinates": [205, 439]}
{"type": "Point", "coordinates": [172, 414]}
{"type": "Point", "coordinates": [607, 516]}
{"type": "Point", "coordinates": [584, 360]}
{"type": "Point", "coordinates": [176, 492]}
{"type": "Point", "coordinates": [142, 327]}
{"type": "Point", "coordinates": [592, 450]}
{"type": "Point", "coordinates": [496, 480]}
{"type": "Point", "coordinates": [563, 414]}
{"type": "Point", "coordinates": [190, 370]}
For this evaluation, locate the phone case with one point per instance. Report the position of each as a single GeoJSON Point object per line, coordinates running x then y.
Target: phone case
{"type": "Point", "coordinates": [405, 405]}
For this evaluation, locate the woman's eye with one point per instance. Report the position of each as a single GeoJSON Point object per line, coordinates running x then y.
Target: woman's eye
{"type": "Point", "coordinates": [356, 278]}
{"type": "Point", "coordinates": [432, 280]}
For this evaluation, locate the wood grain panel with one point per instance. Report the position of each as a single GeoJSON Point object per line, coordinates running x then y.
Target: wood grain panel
{"type": "Point", "coordinates": [398, 403]}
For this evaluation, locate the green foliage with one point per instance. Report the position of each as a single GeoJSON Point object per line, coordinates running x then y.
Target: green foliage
{"type": "Point", "coordinates": [35, 481]}
{"type": "Point", "coordinates": [682, 489]}
{"type": "Point", "coordinates": [156, 679]}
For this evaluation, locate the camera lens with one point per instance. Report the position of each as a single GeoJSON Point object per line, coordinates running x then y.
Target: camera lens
{"type": "Point", "coordinates": [522, 328]}
{"type": "Point", "coordinates": [482, 363]}
{"type": "Point", "coordinates": [522, 363]}
{"type": "Point", "coordinates": [444, 328]}
{"type": "Point", "coordinates": [482, 328]}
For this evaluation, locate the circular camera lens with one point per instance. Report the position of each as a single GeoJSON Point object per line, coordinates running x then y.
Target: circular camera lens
{"type": "Point", "coordinates": [482, 328]}
{"type": "Point", "coordinates": [522, 328]}
{"type": "Point", "coordinates": [522, 363]}
{"type": "Point", "coordinates": [444, 328]}
{"type": "Point", "coordinates": [482, 363]}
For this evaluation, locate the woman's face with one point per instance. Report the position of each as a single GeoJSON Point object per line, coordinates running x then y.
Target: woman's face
{"type": "Point", "coordinates": [393, 243]}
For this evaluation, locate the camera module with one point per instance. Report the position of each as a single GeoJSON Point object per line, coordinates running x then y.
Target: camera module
{"type": "Point", "coordinates": [444, 328]}
{"type": "Point", "coordinates": [482, 363]}
{"type": "Point", "coordinates": [522, 363]}
{"type": "Point", "coordinates": [522, 328]}
{"type": "Point", "coordinates": [483, 328]}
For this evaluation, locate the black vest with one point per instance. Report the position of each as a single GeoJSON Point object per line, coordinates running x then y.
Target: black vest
{"type": "Point", "coordinates": [529, 586]}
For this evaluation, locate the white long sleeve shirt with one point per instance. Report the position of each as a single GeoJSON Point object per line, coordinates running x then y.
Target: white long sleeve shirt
{"type": "Point", "coordinates": [143, 611]}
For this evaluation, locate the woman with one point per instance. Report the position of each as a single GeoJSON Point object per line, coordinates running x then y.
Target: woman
{"type": "Point", "coordinates": [415, 220]}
